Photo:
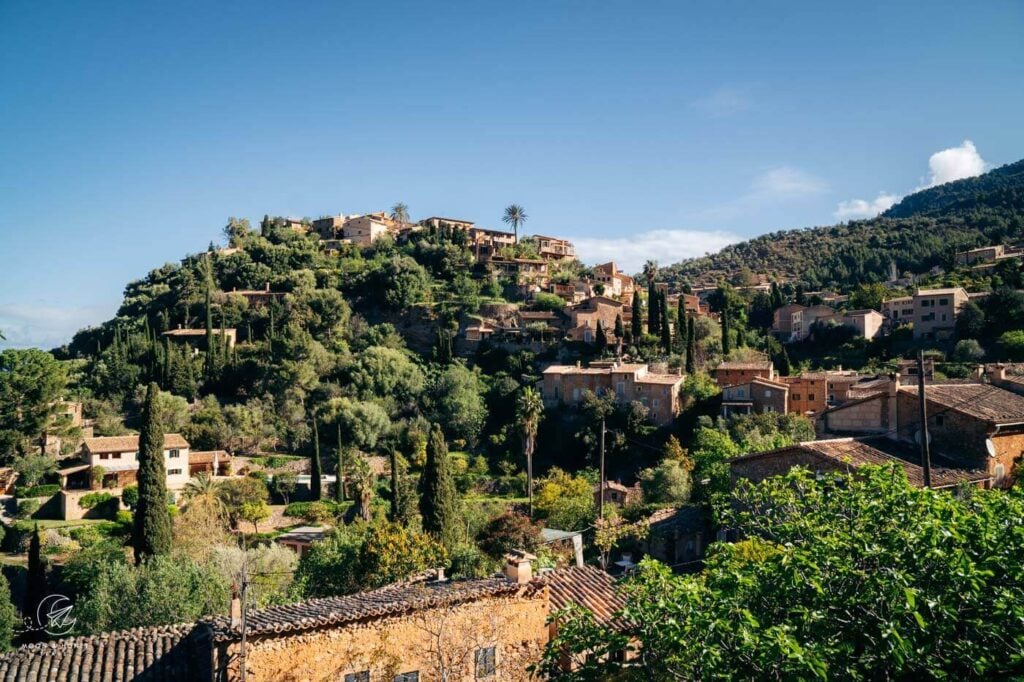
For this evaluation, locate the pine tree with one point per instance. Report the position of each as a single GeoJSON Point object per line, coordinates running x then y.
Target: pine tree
{"type": "Point", "coordinates": [315, 472]}
{"type": "Point", "coordinates": [691, 345]}
{"type": "Point", "coordinates": [600, 337]}
{"type": "Point", "coordinates": [35, 587]}
{"type": "Point", "coordinates": [666, 329]}
{"type": "Point", "coordinates": [265, 226]}
{"type": "Point", "coordinates": [776, 295]}
{"type": "Point", "coordinates": [800, 298]}
{"type": "Point", "coordinates": [636, 323]}
{"type": "Point", "coordinates": [653, 324]}
{"type": "Point", "coordinates": [726, 344]}
{"type": "Point", "coordinates": [439, 504]}
{"type": "Point", "coordinates": [152, 531]}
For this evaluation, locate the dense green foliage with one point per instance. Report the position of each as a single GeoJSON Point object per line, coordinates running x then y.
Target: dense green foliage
{"type": "Point", "coordinates": [843, 578]}
{"type": "Point", "coordinates": [923, 230]}
{"type": "Point", "coordinates": [438, 497]}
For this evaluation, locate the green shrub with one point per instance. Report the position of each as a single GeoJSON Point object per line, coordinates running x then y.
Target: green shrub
{"type": "Point", "coordinates": [26, 508]}
{"type": "Point", "coordinates": [86, 536]}
{"type": "Point", "coordinates": [93, 500]}
{"type": "Point", "coordinates": [124, 517]}
{"type": "Point", "coordinates": [130, 496]}
{"type": "Point", "coordinates": [47, 490]}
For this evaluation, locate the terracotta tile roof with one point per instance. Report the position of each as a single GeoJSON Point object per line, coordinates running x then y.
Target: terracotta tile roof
{"type": "Point", "coordinates": [668, 379]}
{"type": "Point", "coordinates": [879, 450]}
{"type": "Point", "coordinates": [168, 652]}
{"type": "Point", "coordinates": [207, 456]}
{"type": "Point", "coordinates": [587, 586]}
{"type": "Point", "coordinates": [689, 517]}
{"type": "Point", "coordinates": [303, 534]}
{"type": "Point", "coordinates": [982, 401]}
{"type": "Point", "coordinates": [130, 443]}
{"type": "Point", "coordinates": [387, 601]}
{"type": "Point", "coordinates": [769, 382]}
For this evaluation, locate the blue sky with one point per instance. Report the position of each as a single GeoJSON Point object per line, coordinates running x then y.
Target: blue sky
{"type": "Point", "coordinates": [129, 132]}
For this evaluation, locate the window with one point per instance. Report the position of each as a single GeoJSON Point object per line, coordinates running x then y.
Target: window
{"type": "Point", "coordinates": [943, 301]}
{"type": "Point", "coordinates": [485, 663]}
{"type": "Point", "coordinates": [174, 472]}
{"type": "Point", "coordinates": [1000, 473]}
{"type": "Point", "coordinates": [939, 420]}
{"type": "Point", "coordinates": [575, 395]}
{"type": "Point", "coordinates": [414, 676]}
{"type": "Point", "coordinates": [796, 396]}
{"type": "Point", "coordinates": [174, 453]}
{"type": "Point", "coordinates": [810, 396]}
{"type": "Point", "coordinates": [767, 393]}
{"type": "Point", "coordinates": [361, 676]}
{"type": "Point", "coordinates": [655, 403]}
{"type": "Point", "coordinates": [620, 388]}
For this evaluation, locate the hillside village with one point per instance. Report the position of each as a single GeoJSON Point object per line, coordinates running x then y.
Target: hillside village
{"type": "Point", "coordinates": [365, 447]}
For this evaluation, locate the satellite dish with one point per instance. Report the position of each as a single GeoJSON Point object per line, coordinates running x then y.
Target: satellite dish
{"type": "Point", "coordinates": [917, 437]}
{"type": "Point", "coordinates": [990, 447]}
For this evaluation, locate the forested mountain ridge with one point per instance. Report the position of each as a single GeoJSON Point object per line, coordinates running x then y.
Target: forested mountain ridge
{"type": "Point", "coordinates": [923, 230]}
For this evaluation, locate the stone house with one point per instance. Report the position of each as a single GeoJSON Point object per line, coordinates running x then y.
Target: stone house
{"type": "Point", "coordinates": [196, 338]}
{"type": "Point", "coordinates": [555, 249]}
{"type": "Point", "coordinates": [678, 537]}
{"type": "Point", "coordinates": [808, 392]}
{"type": "Point", "coordinates": [567, 384]}
{"type": "Point", "coordinates": [935, 311]}
{"type": "Point", "coordinates": [583, 319]}
{"type": "Point", "coordinates": [363, 230]}
{"type": "Point", "coordinates": [846, 455]}
{"type": "Point", "coordinates": [984, 254]}
{"type": "Point", "coordinates": [530, 274]}
{"type": "Point", "coordinates": [484, 629]}
{"type": "Point", "coordinates": [113, 462]}
{"type": "Point", "coordinates": [616, 493]}
{"type": "Point", "coordinates": [617, 284]}
{"type": "Point", "coordinates": [257, 297]}
{"type": "Point", "coordinates": [977, 426]}
{"type": "Point", "coordinates": [729, 373]}
{"type": "Point", "coordinates": [299, 540]}
{"type": "Point", "coordinates": [757, 396]}
{"type": "Point", "coordinates": [898, 311]}
{"type": "Point", "coordinates": [788, 323]}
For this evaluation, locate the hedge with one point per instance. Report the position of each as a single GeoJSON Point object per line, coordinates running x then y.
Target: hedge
{"type": "Point", "coordinates": [92, 500]}
{"type": "Point", "coordinates": [46, 490]}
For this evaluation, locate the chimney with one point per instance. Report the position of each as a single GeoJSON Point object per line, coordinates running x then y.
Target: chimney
{"type": "Point", "coordinates": [439, 576]}
{"type": "Point", "coordinates": [519, 567]}
{"type": "Point", "coordinates": [268, 287]}
{"type": "Point", "coordinates": [236, 608]}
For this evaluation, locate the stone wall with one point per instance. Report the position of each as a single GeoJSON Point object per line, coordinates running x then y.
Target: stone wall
{"type": "Point", "coordinates": [869, 416]}
{"type": "Point", "coordinates": [440, 643]}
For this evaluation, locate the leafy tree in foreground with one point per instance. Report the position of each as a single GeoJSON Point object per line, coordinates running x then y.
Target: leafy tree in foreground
{"type": "Point", "coordinates": [439, 502]}
{"type": "Point", "coordinates": [857, 577]}
{"type": "Point", "coordinates": [152, 531]}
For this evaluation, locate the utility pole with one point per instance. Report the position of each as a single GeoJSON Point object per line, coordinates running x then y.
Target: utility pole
{"type": "Point", "coordinates": [600, 487]}
{"type": "Point", "coordinates": [926, 458]}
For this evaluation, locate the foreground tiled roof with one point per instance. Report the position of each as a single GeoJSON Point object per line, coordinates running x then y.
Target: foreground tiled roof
{"type": "Point", "coordinates": [130, 443]}
{"type": "Point", "coordinates": [744, 365]}
{"type": "Point", "coordinates": [387, 601]}
{"type": "Point", "coordinates": [977, 400]}
{"type": "Point", "coordinates": [879, 450]}
{"type": "Point", "coordinates": [587, 586]}
{"type": "Point", "coordinates": [171, 652]}
{"type": "Point", "coordinates": [207, 456]}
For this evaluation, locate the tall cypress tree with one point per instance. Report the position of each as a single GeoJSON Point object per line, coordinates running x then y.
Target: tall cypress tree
{"type": "Point", "coordinates": [315, 472]}
{"type": "Point", "coordinates": [210, 350]}
{"type": "Point", "coordinates": [653, 308]}
{"type": "Point", "coordinates": [681, 328]}
{"type": "Point", "coordinates": [152, 532]}
{"type": "Point", "coordinates": [691, 345]}
{"type": "Point", "coordinates": [636, 322]}
{"type": "Point", "coordinates": [339, 473]}
{"type": "Point", "coordinates": [35, 588]}
{"type": "Point", "coordinates": [666, 329]}
{"type": "Point", "coordinates": [620, 331]}
{"type": "Point", "coordinates": [439, 504]}
{"type": "Point", "coordinates": [600, 337]}
{"type": "Point", "coordinates": [726, 344]}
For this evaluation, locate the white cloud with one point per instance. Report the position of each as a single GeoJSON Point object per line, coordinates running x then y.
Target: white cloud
{"type": "Point", "coordinates": [786, 182]}
{"type": "Point", "coordinates": [664, 246]}
{"type": "Point", "coordinates": [725, 101]}
{"type": "Point", "coordinates": [862, 208]}
{"type": "Point", "coordinates": [955, 163]}
{"type": "Point", "coordinates": [44, 326]}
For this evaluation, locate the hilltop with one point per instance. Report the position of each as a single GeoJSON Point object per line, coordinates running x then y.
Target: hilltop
{"type": "Point", "coordinates": [923, 230]}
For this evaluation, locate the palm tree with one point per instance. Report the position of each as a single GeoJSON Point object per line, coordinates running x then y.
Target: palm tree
{"type": "Point", "coordinates": [529, 410]}
{"type": "Point", "coordinates": [400, 214]}
{"type": "Point", "coordinates": [650, 270]}
{"type": "Point", "coordinates": [515, 215]}
{"type": "Point", "coordinates": [201, 485]}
